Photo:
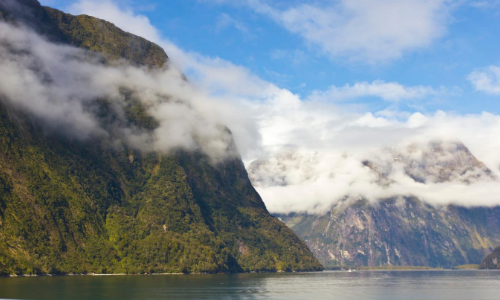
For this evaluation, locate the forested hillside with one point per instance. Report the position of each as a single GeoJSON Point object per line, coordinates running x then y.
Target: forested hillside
{"type": "Point", "coordinates": [88, 206]}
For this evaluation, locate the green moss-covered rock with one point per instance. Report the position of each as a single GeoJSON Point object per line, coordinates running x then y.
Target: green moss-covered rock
{"type": "Point", "coordinates": [103, 37]}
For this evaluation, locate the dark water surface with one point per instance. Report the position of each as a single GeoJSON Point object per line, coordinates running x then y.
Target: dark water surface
{"type": "Point", "coordinates": [470, 285]}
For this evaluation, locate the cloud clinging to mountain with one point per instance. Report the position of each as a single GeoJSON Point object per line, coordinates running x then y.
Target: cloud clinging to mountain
{"type": "Point", "coordinates": [62, 86]}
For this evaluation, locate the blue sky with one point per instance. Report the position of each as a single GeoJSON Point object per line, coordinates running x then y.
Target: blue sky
{"type": "Point", "coordinates": [246, 37]}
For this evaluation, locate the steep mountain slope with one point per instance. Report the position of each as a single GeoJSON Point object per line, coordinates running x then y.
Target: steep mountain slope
{"type": "Point", "coordinates": [492, 260]}
{"type": "Point", "coordinates": [399, 230]}
{"type": "Point", "coordinates": [76, 206]}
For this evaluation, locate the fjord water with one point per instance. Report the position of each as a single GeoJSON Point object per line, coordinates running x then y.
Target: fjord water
{"type": "Point", "coordinates": [477, 285]}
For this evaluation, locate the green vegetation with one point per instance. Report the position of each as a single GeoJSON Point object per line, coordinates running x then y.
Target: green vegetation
{"type": "Point", "coordinates": [103, 37]}
{"type": "Point", "coordinates": [467, 267]}
{"type": "Point", "coordinates": [68, 206]}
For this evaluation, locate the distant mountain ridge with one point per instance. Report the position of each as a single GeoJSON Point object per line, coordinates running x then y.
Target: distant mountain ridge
{"type": "Point", "coordinates": [70, 206]}
{"type": "Point", "coordinates": [397, 230]}
{"type": "Point", "coordinates": [435, 162]}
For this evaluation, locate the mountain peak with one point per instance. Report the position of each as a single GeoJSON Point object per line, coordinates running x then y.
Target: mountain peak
{"type": "Point", "coordinates": [84, 32]}
{"type": "Point", "coordinates": [431, 162]}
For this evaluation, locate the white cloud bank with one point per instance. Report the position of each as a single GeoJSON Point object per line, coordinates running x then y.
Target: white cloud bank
{"type": "Point", "coordinates": [365, 30]}
{"type": "Point", "coordinates": [310, 175]}
{"type": "Point", "coordinates": [318, 149]}
{"type": "Point", "coordinates": [333, 139]}
{"type": "Point", "coordinates": [61, 85]}
{"type": "Point", "coordinates": [216, 76]}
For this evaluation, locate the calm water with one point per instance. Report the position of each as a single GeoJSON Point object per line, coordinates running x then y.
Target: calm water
{"type": "Point", "coordinates": [454, 285]}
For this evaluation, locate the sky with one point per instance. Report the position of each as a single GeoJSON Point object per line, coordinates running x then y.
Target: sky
{"type": "Point", "coordinates": [333, 76]}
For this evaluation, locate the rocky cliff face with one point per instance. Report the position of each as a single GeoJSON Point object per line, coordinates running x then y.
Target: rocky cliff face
{"type": "Point", "coordinates": [492, 260]}
{"type": "Point", "coordinates": [79, 206]}
{"type": "Point", "coordinates": [399, 230]}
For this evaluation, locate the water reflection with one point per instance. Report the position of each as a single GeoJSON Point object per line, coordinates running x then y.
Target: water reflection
{"type": "Point", "coordinates": [435, 285]}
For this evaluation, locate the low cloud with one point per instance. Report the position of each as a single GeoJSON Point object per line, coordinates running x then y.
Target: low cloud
{"type": "Point", "coordinates": [302, 181]}
{"type": "Point", "coordinates": [287, 121]}
{"type": "Point", "coordinates": [316, 154]}
{"type": "Point", "coordinates": [217, 77]}
{"type": "Point", "coordinates": [66, 87]}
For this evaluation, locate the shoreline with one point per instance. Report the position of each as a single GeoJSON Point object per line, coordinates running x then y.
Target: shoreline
{"type": "Point", "coordinates": [178, 274]}
{"type": "Point", "coordinates": [151, 274]}
{"type": "Point", "coordinates": [409, 268]}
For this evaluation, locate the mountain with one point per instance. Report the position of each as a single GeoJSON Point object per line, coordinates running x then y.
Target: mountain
{"type": "Point", "coordinates": [400, 232]}
{"type": "Point", "coordinates": [394, 230]}
{"type": "Point", "coordinates": [492, 260]}
{"type": "Point", "coordinates": [434, 162]}
{"type": "Point", "coordinates": [70, 205]}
